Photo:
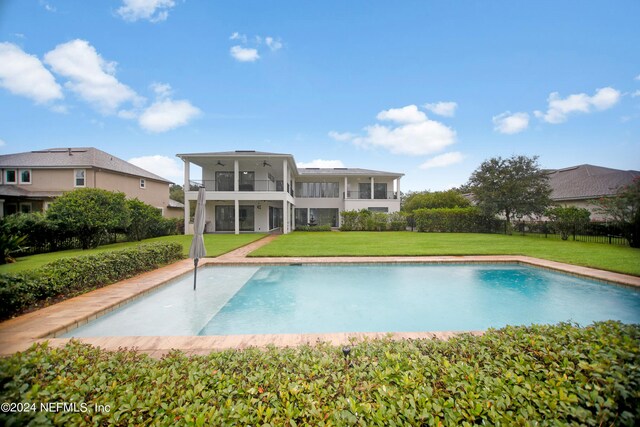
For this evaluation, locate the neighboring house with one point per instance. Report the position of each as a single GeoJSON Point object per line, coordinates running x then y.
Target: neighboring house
{"type": "Point", "coordinates": [30, 181]}
{"type": "Point", "coordinates": [582, 186]}
{"type": "Point", "coordinates": [258, 192]}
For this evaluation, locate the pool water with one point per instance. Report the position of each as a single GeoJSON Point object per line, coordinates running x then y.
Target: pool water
{"type": "Point", "coordinates": [366, 298]}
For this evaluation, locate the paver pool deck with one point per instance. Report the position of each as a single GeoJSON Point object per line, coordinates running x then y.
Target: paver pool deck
{"type": "Point", "coordinates": [20, 333]}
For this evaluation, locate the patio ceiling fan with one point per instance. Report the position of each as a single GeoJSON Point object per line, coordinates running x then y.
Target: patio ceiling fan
{"type": "Point", "coordinates": [220, 163]}
{"type": "Point", "coordinates": [265, 164]}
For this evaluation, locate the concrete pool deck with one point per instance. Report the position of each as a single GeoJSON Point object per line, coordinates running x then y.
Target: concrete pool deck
{"type": "Point", "coordinates": [20, 333]}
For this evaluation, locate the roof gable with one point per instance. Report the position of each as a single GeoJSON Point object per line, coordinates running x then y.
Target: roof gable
{"type": "Point", "coordinates": [588, 181]}
{"type": "Point", "coordinates": [80, 157]}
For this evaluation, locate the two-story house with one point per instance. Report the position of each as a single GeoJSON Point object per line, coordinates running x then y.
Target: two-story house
{"type": "Point", "coordinates": [30, 181]}
{"type": "Point", "coordinates": [251, 191]}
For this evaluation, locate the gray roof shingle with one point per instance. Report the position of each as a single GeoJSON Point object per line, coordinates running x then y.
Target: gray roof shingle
{"type": "Point", "coordinates": [588, 182]}
{"type": "Point", "coordinates": [81, 157]}
{"type": "Point", "coordinates": [345, 171]}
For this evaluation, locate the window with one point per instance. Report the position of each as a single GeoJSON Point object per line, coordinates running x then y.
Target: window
{"type": "Point", "coordinates": [247, 181]}
{"type": "Point", "coordinates": [324, 216]}
{"type": "Point", "coordinates": [365, 190]}
{"type": "Point", "coordinates": [301, 217]}
{"type": "Point", "coordinates": [25, 207]}
{"type": "Point", "coordinates": [143, 183]}
{"type": "Point", "coordinates": [225, 218]}
{"type": "Point", "coordinates": [317, 189]}
{"type": "Point", "coordinates": [224, 181]}
{"type": "Point", "coordinates": [10, 176]}
{"type": "Point", "coordinates": [25, 176]}
{"type": "Point", "coordinates": [380, 191]}
{"type": "Point", "coordinates": [80, 175]}
{"type": "Point", "coordinates": [378, 209]}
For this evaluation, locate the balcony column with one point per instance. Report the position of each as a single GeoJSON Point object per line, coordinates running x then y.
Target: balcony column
{"type": "Point", "coordinates": [237, 216]}
{"type": "Point", "coordinates": [285, 216]}
{"type": "Point", "coordinates": [346, 188]}
{"type": "Point", "coordinates": [186, 187]}
{"type": "Point", "coordinates": [371, 188]}
{"type": "Point", "coordinates": [398, 188]}
{"type": "Point", "coordinates": [285, 176]}
{"type": "Point", "coordinates": [236, 179]}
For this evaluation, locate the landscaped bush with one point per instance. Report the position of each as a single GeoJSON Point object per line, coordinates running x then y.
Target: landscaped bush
{"type": "Point", "coordinates": [42, 235]}
{"type": "Point", "coordinates": [455, 220]}
{"type": "Point", "coordinates": [539, 375]}
{"type": "Point", "coordinates": [366, 220]}
{"type": "Point", "coordinates": [147, 221]}
{"type": "Point", "coordinates": [313, 228]}
{"type": "Point", "coordinates": [68, 277]}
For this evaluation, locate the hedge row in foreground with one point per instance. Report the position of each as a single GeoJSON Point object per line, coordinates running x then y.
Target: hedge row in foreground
{"type": "Point", "coordinates": [456, 220]}
{"type": "Point", "coordinates": [72, 276]}
{"type": "Point", "coordinates": [539, 375]}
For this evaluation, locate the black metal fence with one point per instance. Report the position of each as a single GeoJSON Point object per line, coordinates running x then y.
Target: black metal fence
{"type": "Point", "coordinates": [593, 232]}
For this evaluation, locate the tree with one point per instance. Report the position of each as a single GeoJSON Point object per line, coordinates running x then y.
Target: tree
{"type": "Point", "coordinates": [176, 193]}
{"type": "Point", "coordinates": [513, 187]}
{"type": "Point", "coordinates": [89, 214]}
{"type": "Point", "coordinates": [435, 200]}
{"type": "Point", "coordinates": [624, 210]}
{"type": "Point", "coordinates": [143, 218]}
{"type": "Point", "coordinates": [568, 220]}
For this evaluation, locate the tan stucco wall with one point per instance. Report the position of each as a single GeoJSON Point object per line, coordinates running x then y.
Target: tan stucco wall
{"type": "Point", "coordinates": [155, 193]}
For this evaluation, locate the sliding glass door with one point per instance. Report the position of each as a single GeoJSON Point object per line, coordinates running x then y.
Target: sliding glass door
{"type": "Point", "coordinates": [225, 218]}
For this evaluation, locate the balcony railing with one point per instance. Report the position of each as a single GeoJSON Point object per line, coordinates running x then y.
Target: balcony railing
{"type": "Point", "coordinates": [256, 185]}
{"type": "Point", "coordinates": [366, 195]}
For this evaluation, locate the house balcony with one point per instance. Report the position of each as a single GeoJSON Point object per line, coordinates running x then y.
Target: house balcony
{"type": "Point", "coordinates": [366, 195]}
{"type": "Point", "coordinates": [243, 187]}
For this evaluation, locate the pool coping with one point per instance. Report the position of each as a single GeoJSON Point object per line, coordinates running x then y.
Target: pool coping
{"type": "Point", "coordinates": [19, 333]}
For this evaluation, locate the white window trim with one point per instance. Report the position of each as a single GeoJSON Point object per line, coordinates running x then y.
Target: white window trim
{"type": "Point", "coordinates": [6, 181]}
{"type": "Point", "coordinates": [30, 176]}
{"type": "Point", "coordinates": [75, 178]}
{"type": "Point", "coordinates": [143, 183]}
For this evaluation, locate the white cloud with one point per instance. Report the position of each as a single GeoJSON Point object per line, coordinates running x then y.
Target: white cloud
{"type": "Point", "coordinates": [635, 94]}
{"type": "Point", "coordinates": [637, 77]}
{"type": "Point", "coordinates": [47, 6]}
{"type": "Point", "coordinates": [151, 10]}
{"type": "Point", "coordinates": [447, 109]}
{"type": "Point", "coordinates": [2, 143]}
{"type": "Point", "coordinates": [90, 76]}
{"type": "Point", "coordinates": [408, 114]}
{"type": "Point", "coordinates": [342, 136]}
{"type": "Point", "coordinates": [243, 54]}
{"type": "Point", "coordinates": [24, 74]}
{"type": "Point", "coordinates": [166, 167]}
{"type": "Point", "coordinates": [559, 108]}
{"type": "Point", "coordinates": [272, 43]}
{"type": "Point", "coordinates": [443, 160]}
{"type": "Point", "coordinates": [415, 135]}
{"type": "Point", "coordinates": [164, 115]}
{"type": "Point", "coordinates": [320, 163]}
{"type": "Point", "coordinates": [162, 90]}
{"type": "Point", "coordinates": [238, 36]}
{"type": "Point", "coordinates": [510, 123]}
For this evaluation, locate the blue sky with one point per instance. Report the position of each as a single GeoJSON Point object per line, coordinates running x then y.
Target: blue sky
{"type": "Point", "coordinates": [426, 88]}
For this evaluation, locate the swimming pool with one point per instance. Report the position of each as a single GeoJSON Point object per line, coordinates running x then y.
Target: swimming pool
{"type": "Point", "coordinates": [365, 298]}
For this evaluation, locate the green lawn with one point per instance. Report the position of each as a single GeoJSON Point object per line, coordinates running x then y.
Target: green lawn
{"type": "Point", "coordinates": [597, 255]}
{"type": "Point", "coordinates": [216, 244]}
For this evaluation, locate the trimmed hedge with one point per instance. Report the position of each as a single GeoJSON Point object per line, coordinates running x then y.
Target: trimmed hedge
{"type": "Point", "coordinates": [366, 220]}
{"type": "Point", "coordinates": [456, 220]}
{"type": "Point", "coordinates": [313, 228]}
{"type": "Point", "coordinates": [538, 375]}
{"type": "Point", "coordinates": [68, 277]}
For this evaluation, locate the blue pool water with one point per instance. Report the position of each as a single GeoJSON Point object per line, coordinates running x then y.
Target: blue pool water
{"type": "Point", "coordinates": [366, 298]}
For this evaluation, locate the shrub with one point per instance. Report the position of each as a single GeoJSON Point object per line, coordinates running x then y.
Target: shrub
{"type": "Point", "coordinates": [455, 220]}
{"type": "Point", "coordinates": [313, 228]}
{"type": "Point", "coordinates": [89, 214]}
{"type": "Point", "coordinates": [568, 220]}
{"type": "Point", "coordinates": [68, 277]}
{"type": "Point", "coordinates": [42, 234]}
{"type": "Point", "coordinates": [147, 221]}
{"type": "Point", "coordinates": [366, 220]}
{"type": "Point", "coordinates": [538, 375]}
{"type": "Point", "coordinates": [434, 200]}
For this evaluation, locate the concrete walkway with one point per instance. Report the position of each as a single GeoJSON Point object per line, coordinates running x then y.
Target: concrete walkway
{"type": "Point", "coordinates": [20, 333]}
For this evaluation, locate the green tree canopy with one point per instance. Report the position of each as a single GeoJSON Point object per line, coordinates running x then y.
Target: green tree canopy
{"type": "Point", "coordinates": [624, 210]}
{"type": "Point", "coordinates": [568, 219]}
{"type": "Point", "coordinates": [434, 200]}
{"type": "Point", "coordinates": [512, 187]}
{"type": "Point", "coordinates": [143, 218]}
{"type": "Point", "coordinates": [89, 213]}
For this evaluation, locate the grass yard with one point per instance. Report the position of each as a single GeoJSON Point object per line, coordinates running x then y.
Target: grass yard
{"type": "Point", "coordinates": [597, 255]}
{"type": "Point", "coordinates": [216, 244]}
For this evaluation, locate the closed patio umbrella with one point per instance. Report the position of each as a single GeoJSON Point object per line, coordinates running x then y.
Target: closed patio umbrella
{"type": "Point", "coordinates": [197, 249]}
